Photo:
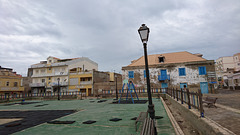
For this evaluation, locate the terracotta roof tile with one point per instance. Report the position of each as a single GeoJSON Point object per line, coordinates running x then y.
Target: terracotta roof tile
{"type": "Point", "coordinates": [177, 57]}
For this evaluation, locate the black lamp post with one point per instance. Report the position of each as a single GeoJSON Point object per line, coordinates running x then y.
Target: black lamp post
{"type": "Point", "coordinates": [144, 33]}
{"type": "Point", "coordinates": [58, 89]}
{"type": "Point", "coordinates": [116, 86]}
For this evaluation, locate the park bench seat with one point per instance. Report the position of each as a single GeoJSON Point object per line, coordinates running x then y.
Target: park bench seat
{"type": "Point", "coordinates": [142, 116]}
{"type": "Point", "coordinates": [210, 101]}
{"type": "Point", "coordinates": [148, 127]}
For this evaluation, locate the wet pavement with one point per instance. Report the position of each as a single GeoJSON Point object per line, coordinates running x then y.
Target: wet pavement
{"type": "Point", "coordinates": [227, 112]}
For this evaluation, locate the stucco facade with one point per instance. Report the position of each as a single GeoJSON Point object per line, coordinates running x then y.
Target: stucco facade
{"type": "Point", "coordinates": [46, 73]}
{"type": "Point", "coordinates": [10, 82]}
{"type": "Point", "coordinates": [170, 74]}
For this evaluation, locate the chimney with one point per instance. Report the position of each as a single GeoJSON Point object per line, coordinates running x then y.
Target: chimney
{"type": "Point", "coordinates": [198, 54]}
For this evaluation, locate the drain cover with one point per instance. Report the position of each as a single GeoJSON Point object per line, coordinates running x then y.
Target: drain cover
{"type": "Point", "coordinates": [89, 122]}
{"type": "Point", "coordinates": [60, 122]}
{"type": "Point", "coordinates": [134, 118]}
{"type": "Point", "coordinates": [100, 101]}
{"type": "Point", "coordinates": [158, 117]}
{"type": "Point", "coordinates": [40, 105]}
{"type": "Point", "coordinates": [115, 119]}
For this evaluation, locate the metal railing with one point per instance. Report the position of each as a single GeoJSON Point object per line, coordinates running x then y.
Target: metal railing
{"type": "Point", "coordinates": [192, 99]}
{"type": "Point", "coordinates": [47, 95]}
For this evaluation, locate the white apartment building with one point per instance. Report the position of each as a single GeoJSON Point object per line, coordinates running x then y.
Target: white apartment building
{"type": "Point", "coordinates": [228, 70]}
{"type": "Point", "coordinates": [47, 73]}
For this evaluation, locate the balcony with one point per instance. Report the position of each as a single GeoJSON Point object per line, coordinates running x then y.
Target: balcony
{"type": "Point", "coordinates": [50, 74]}
{"type": "Point", "coordinates": [37, 84]}
{"type": "Point", "coordinates": [12, 88]}
{"type": "Point", "coordinates": [80, 73]}
{"type": "Point", "coordinates": [85, 82]}
{"type": "Point", "coordinates": [163, 77]}
{"type": "Point", "coordinates": [60, 84]}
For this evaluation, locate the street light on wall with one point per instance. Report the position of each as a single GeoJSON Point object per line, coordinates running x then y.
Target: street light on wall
{"type": "Point", "coordinates": [58, 89]}
{"type": "Point", "coordinates": [144, 34]}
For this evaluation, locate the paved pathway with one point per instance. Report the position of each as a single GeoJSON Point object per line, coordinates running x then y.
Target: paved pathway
{"type": "Point", "coordinates": [227, 112]}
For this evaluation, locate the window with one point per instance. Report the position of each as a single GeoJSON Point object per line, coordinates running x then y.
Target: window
{"type": "Point", "coordinates": [49, 68]}
{"type": "Point", "coordinates": [202, 70]}
{"type": "Point", "coordinates": [145, 75]}
{"type": "Point", "coordinates": [49, 78]}
{"type": "Point", "coordinates": [182, 72]}
{"type": "Point", "coordinates": [42, 70]}
{"type": "Point", "coordinates": [7, 83]}
{"type": "Point", "coordinates": [43, 80]}
{"type": "Point", "coordinates": [130, 74]}
{"type": "Point", "coordinates": [15, 84]}
{"type": "Point", "coordinates": [161, 59]}
{"type": "Point", "coordinates": [36, 71]}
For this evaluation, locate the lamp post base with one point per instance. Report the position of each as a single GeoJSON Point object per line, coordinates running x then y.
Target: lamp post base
{"type": "Point", "coordinates": [151, 111]}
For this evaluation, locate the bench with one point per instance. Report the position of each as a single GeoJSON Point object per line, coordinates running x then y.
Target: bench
{"type": "Point", "coordinates": [68, 96]}
{"type": "Point", "coordinates": [210, 101]}
{"type": "Point", "coordinates": [142, 116]}
{"type": "Point", "coordinates": [148, 127]}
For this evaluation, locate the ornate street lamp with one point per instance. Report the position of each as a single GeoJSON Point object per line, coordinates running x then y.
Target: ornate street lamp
{"type": "Point", "coordinates": [144, 34]}
{"type": "Point", "coordinates": [58, 89]}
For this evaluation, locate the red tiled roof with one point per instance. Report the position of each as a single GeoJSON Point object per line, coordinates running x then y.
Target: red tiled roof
{"type": "Point", "coordinates": [177, 57]}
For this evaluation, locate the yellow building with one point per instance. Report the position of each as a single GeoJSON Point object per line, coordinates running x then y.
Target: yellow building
{"type": "Point", "coordinates": [81, 81]}
{"type": "Point", "coordinates": [10, 82]}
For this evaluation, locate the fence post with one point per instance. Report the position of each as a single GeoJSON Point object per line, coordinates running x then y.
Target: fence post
{"type": "Point", "coordinates": [177, 94]}
{"type": "Point", "coordinates": [173, 93]}
{"type": "Point", "coordinates": [200, 103]}
{"type": "Point", "coordinates": [182, 95]}
{"type": "Point", "coordinates": [188, 96]}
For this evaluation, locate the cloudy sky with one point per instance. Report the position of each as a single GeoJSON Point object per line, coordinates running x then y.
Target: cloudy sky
{"type": "Point", "coordinates": [106, 30]}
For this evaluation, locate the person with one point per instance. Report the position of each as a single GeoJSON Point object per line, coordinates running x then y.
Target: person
{"type": "Point", "coordinates": [184, 88]}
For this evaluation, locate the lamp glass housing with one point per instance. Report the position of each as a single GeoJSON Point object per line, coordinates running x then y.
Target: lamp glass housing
{"type": "Point", "coordinates": [144, 33]}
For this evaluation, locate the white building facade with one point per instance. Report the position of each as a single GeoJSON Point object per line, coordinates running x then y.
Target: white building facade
{"type": "Point", "coordinates": [47, 73]}
{"type": "Point", "coordinates": [173, 70]}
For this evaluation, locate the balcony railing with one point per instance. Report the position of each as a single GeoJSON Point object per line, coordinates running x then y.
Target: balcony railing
{"type": "Point", "coordinates": [163, 77]}
{"type": "Point", "coordinates": [50, 74]}
{"type": "Point", "coordinates": [12, 88]}
{"type": "Point", "coordinates": [80, 73]}
{"type": "Point", "coordinates": [60, 83]}
{"type": "Point", "coordinates": [37, 84]}
{"type": "Point", "coordinates": [85, 82]}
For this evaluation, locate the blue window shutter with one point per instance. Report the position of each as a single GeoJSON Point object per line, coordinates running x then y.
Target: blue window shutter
{"type": "Point", "coordinates": [130, 74]}
{"type": "Point", "coordinates": [144, 73]}
{"type": "Point", "coordinates": [202, 70]}
{"type": "Point", "coordinates": [181, 71]}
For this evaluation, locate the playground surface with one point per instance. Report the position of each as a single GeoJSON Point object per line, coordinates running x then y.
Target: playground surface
{"type": "Point", "coordinates": [32, 117]}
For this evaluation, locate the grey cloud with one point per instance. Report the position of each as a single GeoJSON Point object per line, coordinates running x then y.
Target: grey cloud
{"type": "Point", "coordinates": [106, 30]}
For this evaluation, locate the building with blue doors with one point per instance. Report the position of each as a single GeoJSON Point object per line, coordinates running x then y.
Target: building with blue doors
{"type": "Point", "coordinates": [173, 70]}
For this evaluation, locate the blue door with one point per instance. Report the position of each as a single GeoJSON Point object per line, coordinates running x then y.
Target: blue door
{"type": "Point", "coordinates": [164, 85]}
{"type": "Point", "coordinates": [204, 87]}
{"type": "Point", "coordinates": [182, 85]}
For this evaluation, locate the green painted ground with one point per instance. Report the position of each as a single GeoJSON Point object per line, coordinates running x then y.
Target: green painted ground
{"type": "Point", "coordinates": [100, 112]}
